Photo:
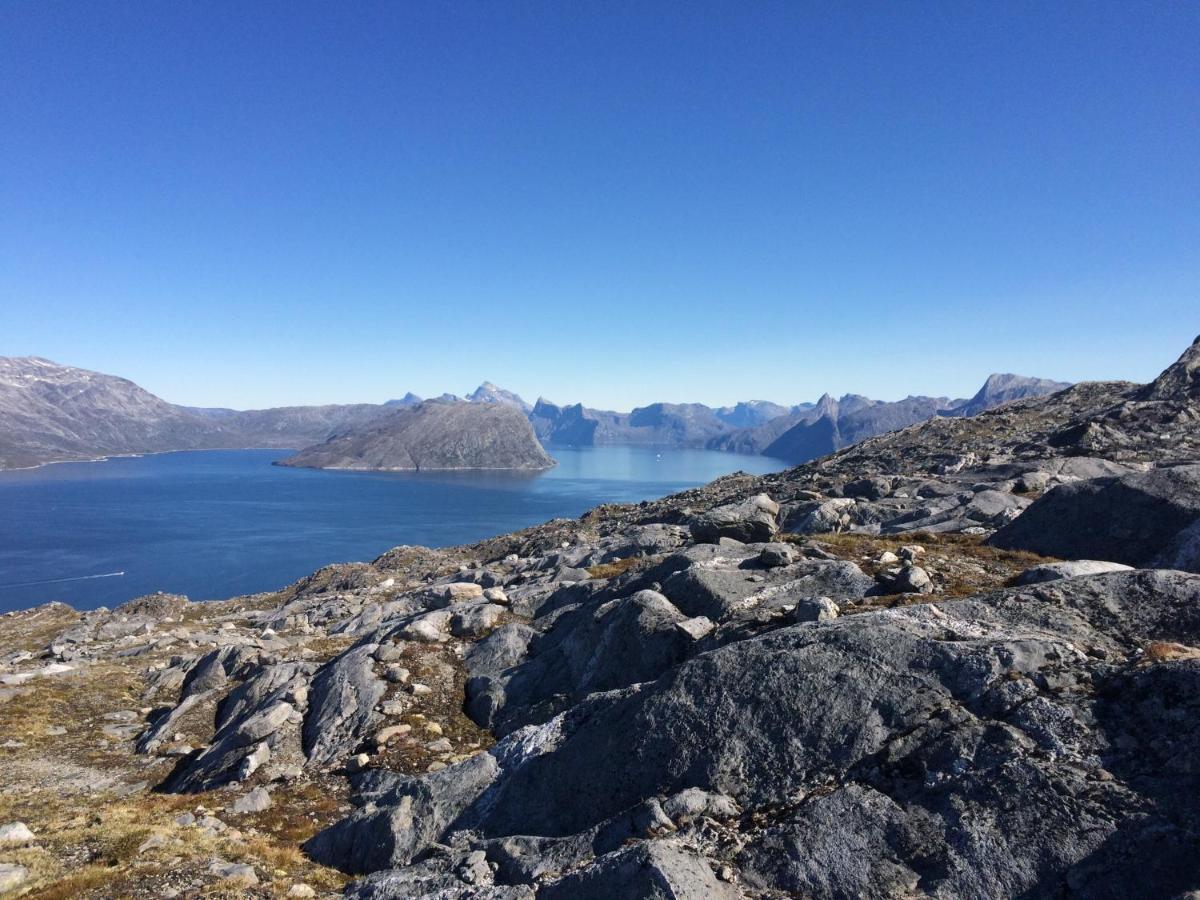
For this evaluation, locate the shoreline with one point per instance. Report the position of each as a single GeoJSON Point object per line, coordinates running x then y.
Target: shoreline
{"type": "Point", "coordinates": [134, 455]}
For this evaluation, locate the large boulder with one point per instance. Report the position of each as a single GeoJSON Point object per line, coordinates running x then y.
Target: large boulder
{"type": "Point", "coordinates": [651, 869]}
{"type": "Point", "coordinates": [341, 710]}
{"type": "Point", "coordinates": [1070, 569]}
{"type": "Point", "coordinates": [1134, 519]}
{"type": "Point", "coordinates": [752, 521]}
{"type": "Point", "coordinates": [586, 650]}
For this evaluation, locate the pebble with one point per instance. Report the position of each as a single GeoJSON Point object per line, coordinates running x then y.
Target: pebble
{"type": "Point", "coordinates": [151, 843]}
{"type": "Point", "coordinates": [397, 674]}
{"type": "Point", "coordinates": [301, 890]}
{"type": "Point", "coordinates": [417, 689]}
{"type": "Point", "coordinates": [255, 801]}
{"type": "Point", "coordinates": [386, 734]}
{"type": "Point", "coordinates": [238, 872]}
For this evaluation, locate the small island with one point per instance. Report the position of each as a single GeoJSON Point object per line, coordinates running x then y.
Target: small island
{"type": "Point", "coordinates": [434, 435]}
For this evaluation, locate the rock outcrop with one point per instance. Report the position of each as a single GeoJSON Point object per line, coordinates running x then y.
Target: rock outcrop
{"type": "Point", "coordinates": [1139, 519]}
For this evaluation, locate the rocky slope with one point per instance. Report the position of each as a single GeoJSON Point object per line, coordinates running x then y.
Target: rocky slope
{"type": "Point", "coordinates": [433, 435]}
{"type": "Point", "coordinates": [856, 678]}
{"type": "Point", "coordinates": [50, 412]}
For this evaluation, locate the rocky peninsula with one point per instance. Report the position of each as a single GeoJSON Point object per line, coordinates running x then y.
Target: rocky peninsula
{"type": "Point", "coordinates": [430, 436]}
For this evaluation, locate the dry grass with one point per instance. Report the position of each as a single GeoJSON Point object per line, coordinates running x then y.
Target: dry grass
{"type": "Point", "coordinates": [961, 565]}
{"type": "Point", "coordinates": [1167, 651]}
{"type": "Point", "coordinates": [87, 798]}
{"type": "Point", "coordinates": [615, 568]}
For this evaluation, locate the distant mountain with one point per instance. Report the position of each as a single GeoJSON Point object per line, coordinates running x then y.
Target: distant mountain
{"type": "Point", "coordinates": [836, 429]}
{"type": "Point", "coordinates": [659, 424]}
{"type": "Point", "coordinates": [751, 413]}
{"type": "Point", "coordinates": [1005, 388]}
{"type": "Point", "coordinates": [490, 393]}
{"type": "Point", "coordinates": [52, 412]}
{"type": "Point", "coordinates": [409, 399]}
{"type": "Point", "coordinates": [289, 427]}
{"type": "Point", "coordinates": [831, 424]}
{"type": "Point", "coordinates": [433, 435]}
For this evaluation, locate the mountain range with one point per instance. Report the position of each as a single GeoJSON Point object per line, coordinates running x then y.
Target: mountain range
{"type": "Point", "coordinates": [51, 412]}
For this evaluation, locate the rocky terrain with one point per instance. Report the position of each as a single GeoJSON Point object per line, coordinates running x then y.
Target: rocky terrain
{"type": "Point", "coordinates": [433, 435]}
{"type": "Point", "coordinates": [856, 678]}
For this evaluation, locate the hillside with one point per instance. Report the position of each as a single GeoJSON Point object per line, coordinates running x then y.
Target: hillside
{"type": "Point", "coordinates": [51, 412]}
{"type": "Point", "coordinates": [432, 435]}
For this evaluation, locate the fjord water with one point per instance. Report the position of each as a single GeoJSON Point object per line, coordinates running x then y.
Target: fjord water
{"type": "Point", "coordinates": [214, 524]}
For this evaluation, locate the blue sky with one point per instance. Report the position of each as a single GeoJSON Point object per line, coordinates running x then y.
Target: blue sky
{"type": "Point", "coordinates": [255, 204]}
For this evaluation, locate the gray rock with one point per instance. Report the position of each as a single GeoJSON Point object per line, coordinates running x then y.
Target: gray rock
{"type": "Point", "coordinates": [456, 592]}
{"type": "Point", "coordinates": [850, 843]}
{"type": "Point", "coordinates": [830, 516]}
{"type": "Point", "coordinates": [12, 876]}
{"type": "Point", "coordinates": [720, 591]}
{"type": "Point", "coordinates": [947, 694]}
{"type": "Point", "coordinates": [1133, 519]}
{"type": "Point", "coordinates": [775, 555]}
{"type": "Point", "coordinates": [341, 710]}
{"type": "Point", "coordinates": [753, 520]}
{"type": "Point", "coordinates": [651, 869]}
{"type": "Point", "coordinates": [816, 609]}
{"type": "Point", "coordinates": [233, 872]}
{"type": "Point", "coordinates": [15, 833]}
{"type": "Point", "coordinates": [696, 628]}
{"type": "Point", "coordinates": [871, 488]}
{"type": "Point", "coordinates": [256, 801]}
{"type": "Point", "coordinates": [414, 814]}
{"type": "Point", "coordinates": [1073, 569]}
{"type": "Point", "coordinates": [475, 621]}
{"type": "Point", "coordinates": [587, 650]}
{"type": "Point", "coordinates": [1183, 552]}
{"type": "Point", "coordinates": [908, 579]}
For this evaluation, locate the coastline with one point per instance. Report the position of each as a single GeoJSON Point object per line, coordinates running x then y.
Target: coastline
{"type": "Point", "coordinates": [135, 455]}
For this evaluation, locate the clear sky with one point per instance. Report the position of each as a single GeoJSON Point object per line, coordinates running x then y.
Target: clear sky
{"type": "Point", "coordinates": [256, 203]}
